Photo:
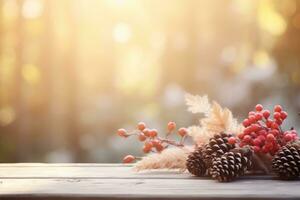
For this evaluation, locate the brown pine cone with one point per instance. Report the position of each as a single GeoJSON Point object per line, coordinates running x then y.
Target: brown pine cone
{"type": "Point", "coordinates": [286, 162]}
{"type": "Point", "coordinates": [231, 165]}
{"type": "Point", "coordinates": [195, 163]}
{"type": "Point", "coordinates": [217, 146]}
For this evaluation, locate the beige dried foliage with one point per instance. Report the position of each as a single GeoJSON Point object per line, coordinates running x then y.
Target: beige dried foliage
{"type": "Point", "coordinates": [170, 158]}
{"type": "Point", "coordinates": [200, 135]}
{"type": "Point", "coordinates": [197, 104]}
{"type": "Point", "coordinates": [217, 119]}
{"type": "Point", "coordinates": [220, 119]}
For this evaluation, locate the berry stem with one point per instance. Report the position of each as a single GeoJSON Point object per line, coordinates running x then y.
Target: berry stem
{"type": "Point", "coordinates": [171, 142]}
{"type": "Point", "coordinates": [135, 132]}
{"type": "Point", "coordinates": [182, 140]}
{"type": "Point", "coordinates": [138, 158]}
{"type": "Point", "coordinates": [168, 134]}
{"type": "Point", "coordinates": [281, 131]}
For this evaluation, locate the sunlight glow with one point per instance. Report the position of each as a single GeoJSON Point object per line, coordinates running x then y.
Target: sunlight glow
{"type": "Point", "coordinates": [32, 9]}
{"type": "Point", "coordinates": [261, 59]}
{"type": "Point", "coordinates": [137, 72]}
{"type": "Point", "coordinates": [122, 33]}
{"type": "Point", "coordinates": [31, 74]}
{"type": "Point", "coordinates": [270, 20]}
{"type": "Point", "coordinates": [7, 115]}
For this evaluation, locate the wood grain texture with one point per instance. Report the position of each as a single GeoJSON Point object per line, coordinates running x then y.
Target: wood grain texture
{"type": "Point", "coordinates": [96, 181]}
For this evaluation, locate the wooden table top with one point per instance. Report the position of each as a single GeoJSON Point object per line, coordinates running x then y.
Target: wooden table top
{"type": "Point", "coordinates": [117, 181]}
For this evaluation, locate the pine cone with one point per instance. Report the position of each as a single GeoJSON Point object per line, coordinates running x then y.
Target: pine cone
{"type": "Point", "coordinates": [195, 163]}
{"type": "Point", "coordinates": [286, 162]}
{"type": "Point", "coordinates": [231, 165]}
{"type": "Point", "coordinates": [217, 146]}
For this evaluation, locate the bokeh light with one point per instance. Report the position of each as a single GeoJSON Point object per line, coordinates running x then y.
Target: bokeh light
{"type": "Point", "coordinates": [74, 71]}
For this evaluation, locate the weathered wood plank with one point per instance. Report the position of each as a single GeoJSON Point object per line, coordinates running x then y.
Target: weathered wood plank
{"type": "Point", "coordinates": [117, 181]}
{"type": "Point", "coordinates": [149, 188]}
{"type": "Point", "coordinates": [89, 171]}
{"type": "Point", "coordinates": [65, 165]}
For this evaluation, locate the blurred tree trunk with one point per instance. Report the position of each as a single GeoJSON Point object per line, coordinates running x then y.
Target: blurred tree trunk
{"type": "Point", "coordinates": [192, 50]}
{"type": "Point", "coordinates": [20, 125]}
{"type": "Point", "coordinates": [73, 123]}
{"type": "Point", "coordinates": [46, 66]}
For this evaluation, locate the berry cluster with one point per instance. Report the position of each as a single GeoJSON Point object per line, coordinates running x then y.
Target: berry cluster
{"type": "Point", "coordinates": [265, 134]}
{"type": "Point", "coordinates": [152, 141]}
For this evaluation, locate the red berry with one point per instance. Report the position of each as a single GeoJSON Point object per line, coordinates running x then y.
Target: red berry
{"type": "Point", "coordinates": [241, 135]}
{"type": "Point", "coordinates": [283, 115]}
{"type": "Point", "coordinates": [277, 115]}
{"type": "Point", "coordinates": [122, 132]}
{"type": "Point", "coordinates": [247, 138]}
{"type": "Point", "coordinates": [246, 123]}
{"type": "Point", "coordinates": [252, 119]}
{"type": "Point", "coordinates": [275, 132]}
{"type": "Point", "coordinates": [258, 116]}
{"type": "Point", "coordinates": [153, 133]}
{"type": "Point", "coordinates": [277, 108]}
{"type": "Point", "coordinates": [255, 127]}
{"type": "Point", "coordinates": [261, 138]}
{"type": "Point", "coordinates": [171, 126]}
{"type": "Point", "coordinates": [259, 107]}
{"type": "Point", "coordinates": [262, 132]}
{"type": "Point", "coordinates": [141, 126]}
{"type": "Point", "coordinates": [269, 123]}
{"type": "Point", "coordinates": [253, 135]}
{"type": "Point", "coordinates": [128, 159]}
{"type": "Point", "coordinates": [278, 121]}
{"type": "Point", "coordinates": [232, 140]}
{"type": "Point", "coordinates": [269, 145]}
{"type": "Point", "coordinates": [242, 144]}
{"type": "Point", "coordinates": [251, 113]}
{"type": "Point", "coordinates": [293, 132]}
{"type": "Point", "coordinates": [266, 114]}
{"type": "Point", "coordinates": [295, 137]}
{"type": "Point", "coordinates": [247, 130]}
{"type": "Point", "coordinates": [147, 147]}
{"type": "Point", "coordinates": [275, 125]}
{"type": "Point", "coordinates": [270, 137]}
{"type": "Point", "coordinates": [276, 147]}
{"type": "Point", "coordinates": [182, 131]}
{"type": "Point", "coordinates": [256, 149]}
{"type": "Point", "coordinates": [288, 137]}
{"type": "Point", "coordinates": [146, 132]}
{"type": "Point", "coordinates": [159, 147]}
{"type": "Point", "coordinates": [155, 142]}
{"type": "Point", "coordinates": [257, 142]}
{"type": "Point", "coordinates": [142, 137]}
{"type": "Point", "coordinates": [265, 149]}
{"type": "Point", "coordinates": [146, 150]}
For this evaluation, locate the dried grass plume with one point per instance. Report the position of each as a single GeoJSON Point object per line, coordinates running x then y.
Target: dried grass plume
{"type": "Point", "coordinates": [170, 158]}
{"type": "Point", "coordinates": [217, 119]}
{"type": "Point", "coordinates": [200, 135]}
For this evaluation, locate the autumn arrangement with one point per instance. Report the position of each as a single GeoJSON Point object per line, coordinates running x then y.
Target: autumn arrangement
{"type": "Point", "coordinates": [223, 148]}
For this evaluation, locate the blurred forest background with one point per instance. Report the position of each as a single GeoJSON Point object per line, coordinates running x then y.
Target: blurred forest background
{"type": "Point", "coordinates": [74, 71]}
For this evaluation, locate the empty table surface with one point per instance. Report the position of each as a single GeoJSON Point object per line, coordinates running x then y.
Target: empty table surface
{"type": "Point", "coordinates": [117, 181]}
